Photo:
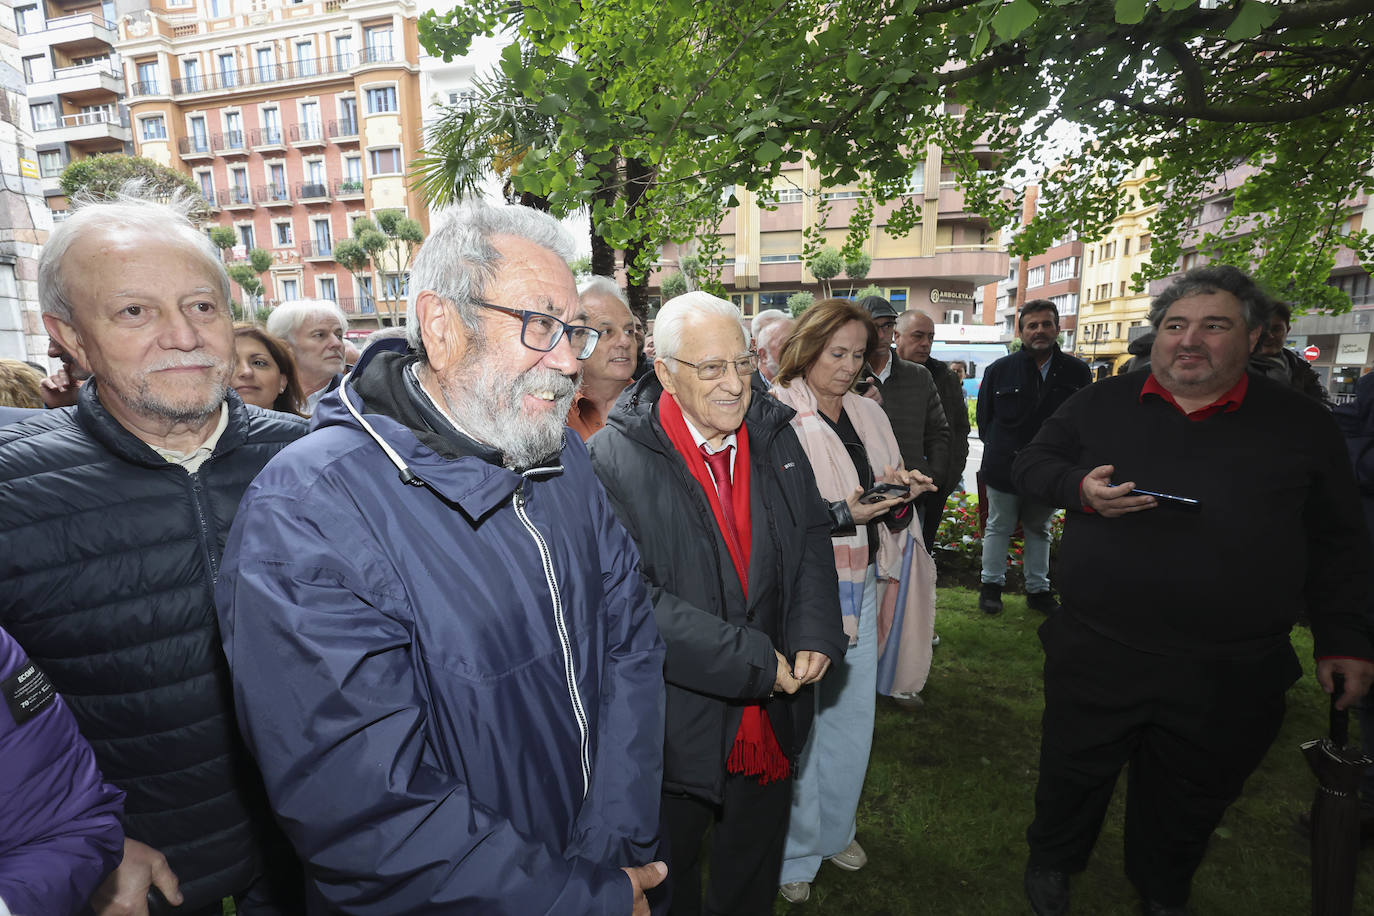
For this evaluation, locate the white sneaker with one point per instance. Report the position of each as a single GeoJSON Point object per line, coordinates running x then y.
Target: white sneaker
{"type": "Point", "coordinates": [796, 891]}
{"type": "Point", "coordinates": [906, 701]}
{"type": "Point", "coordinates": [852, 859]}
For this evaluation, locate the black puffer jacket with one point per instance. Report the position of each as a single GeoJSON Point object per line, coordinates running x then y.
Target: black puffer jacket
{"type": "Point", "coordinates": [108, 556]}
{"type": "Point", "coordinates": [720, 648]}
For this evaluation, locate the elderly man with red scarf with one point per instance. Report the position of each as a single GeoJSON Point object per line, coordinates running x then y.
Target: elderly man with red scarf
{"type": "Point", "coordinates": [709, 478]}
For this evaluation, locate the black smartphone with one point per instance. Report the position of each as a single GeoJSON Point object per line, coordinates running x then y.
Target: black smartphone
{"type": "Point", "coordinates": [863, 387]}
{"type": "Point", "coordinates": [1168, 499]}
{"type": "Point", "coordinates": [881, 491]}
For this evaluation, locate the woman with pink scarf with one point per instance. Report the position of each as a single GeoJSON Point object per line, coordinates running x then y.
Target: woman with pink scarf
{"type": "Point", "coordinates": [851, 447]}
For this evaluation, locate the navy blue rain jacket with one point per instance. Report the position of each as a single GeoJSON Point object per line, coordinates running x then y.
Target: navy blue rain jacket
{"type": "Point", "coordinates": [438, 729]}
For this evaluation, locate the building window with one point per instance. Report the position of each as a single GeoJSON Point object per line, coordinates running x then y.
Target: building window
{"type": "Point", "coordinates": [310, 121]}
{"type": "Point", "coordinates": [780, 259]}
{"type": "Point", "coordinates": [281, 234]}
{"type": "Point", "coordinates": [154, 128]}
{"type": "Point", "coordinates": [26, 19]}
{"type": "Point", "coordinates": [353, 168]}
{"type": "Point", "coordinates": [388, 162]}
{"type": "Point", "coordinates": [266, 64]}
{"type": "Point", "coordinates": [789, 195]}
{"type": "Point", "coordinates": [206, 179]}
{"type": "Point", "coordinates": [377, 43]}
{"type": "Point", "coordinates": [1126, 248]}
{"type": "Point", "coordinates": [954, 316]}
{"type": "Point", "coordinates": [290, 290]}
{"type": "Point", "coordinates": [32, 65]}
{"type": "Point", "coordinates": [1106, 251]}
{"type": "Point", "coordinates": [44, 116]}
{"type": "Point", "coordinates": [324, 240]}
{"type": "Point", "coordinates": [343, 52]}
{"type": "Point", "coordinates": [1035, 277]}
{"type": "Point", "coordinates": [219, 8]}
{"type": "Point", "coordinates": [1066, 303]}
{"type": "Point", "coordinates": [305, 58]}
{"type": "Point", "coordinates": [228, 74]}
{"type": "Point", "coordinates": [199, 139]}
{"type": "Point", "coordinates": [348, 116]}
{"type": "Point", "coordinates": [233, 130]}
{"type": "Point", "coordinates": [381, 99]}
{"type": "Point", "coordinates": [327, 288]}
{"type": "Point", "coordinates": [396, 286]}
{"type": "Point", "coordinates": [841, 195]}
{"type": "Point", "coordinates": [1144, 243]}
{"type": "Point", "coordinates": [897, 298]}
{"type": "Point", "coordinates": [271, 125]}
{"type": "Point", "coordinates": [1063, 269]}
{"type": "Point", "coordinates": [50, 163]}
{"type": "Point", "coordinates": [246, 236]}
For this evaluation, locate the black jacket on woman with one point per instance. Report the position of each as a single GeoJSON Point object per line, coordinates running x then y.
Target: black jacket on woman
{"type": "Point", "coordinates": [108, 556]}
{"type": "Point", "coordinates": [720, 647]}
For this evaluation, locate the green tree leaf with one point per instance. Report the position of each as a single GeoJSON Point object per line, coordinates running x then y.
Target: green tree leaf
{"type": "Point", "coordinates": [1130, 12]}
{"type": "Point", "coordinates": [1013, 18]}
{"type": "Point", "coordinates": [1254, 17]}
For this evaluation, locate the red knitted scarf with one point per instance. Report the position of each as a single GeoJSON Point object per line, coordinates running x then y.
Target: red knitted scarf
{"type": "Point", "coordinates": [755, 751]}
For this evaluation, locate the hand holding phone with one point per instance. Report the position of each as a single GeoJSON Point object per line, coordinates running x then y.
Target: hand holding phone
{"type": "Point", "coordinates": [881, 491]}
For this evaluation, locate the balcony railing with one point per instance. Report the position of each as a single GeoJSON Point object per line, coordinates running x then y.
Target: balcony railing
{"type": "Point", "coordinates": [343, 128]}
{"type": "Point", "coordinates": [145, 87]}
{"type": "Point", "coordinates": [344, 187]}
{"type": "Point", "coordinates": [84, 119]}
{"type": "Point", "coordinates": [190, 146]}
{"type": "Point", "coordinates": [266, 136]}
{"type": "Point", "coordinates": [375, 54]}
{"type": "Point", "coordinates": [318, 248]}
{"type": "Point", "coordinates": [62, 22]}
{"type": "Point", "coordinates": [307, 132]}
{"type": "Point", "coordinates": [272, 194]}
{"type": "Point", "coordinates": [235, 197]}
{"type": "Point", "coordinates": [328, 65]}
{"type": "Point", "coordinates": [309, 190]}
{"type": "Point", "coordinates": [229, 141]}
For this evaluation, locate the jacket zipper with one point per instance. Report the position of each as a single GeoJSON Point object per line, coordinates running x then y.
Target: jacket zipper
{"type": "Point", "coordinates": [518, 500]}
{"type": "Point", "coordinates": [197, 497]}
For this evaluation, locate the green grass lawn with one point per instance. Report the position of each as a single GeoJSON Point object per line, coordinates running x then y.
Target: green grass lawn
{"type": "Point", "coordinates": [949, 795]}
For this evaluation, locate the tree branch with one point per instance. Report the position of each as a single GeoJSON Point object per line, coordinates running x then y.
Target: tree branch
{"type": "Point", "coordinates": [1358, 89]}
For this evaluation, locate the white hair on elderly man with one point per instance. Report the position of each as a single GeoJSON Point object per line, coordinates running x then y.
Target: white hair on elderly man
{"type": "Point", "coordinates": [674, 314]}
{"type": "Point", "coordinates": [136, 209]}
{"type": "Point", "coordinates": [284, 320]}
{"type": "Point", "coordinates": [605, 286]}
{"type": "Point", "coordinates": [458, 258]}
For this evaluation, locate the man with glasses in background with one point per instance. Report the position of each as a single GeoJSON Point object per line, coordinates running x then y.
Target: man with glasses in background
{"type": "Point", "coordinates": [442, 650]}
{"type": "Point", "coordinates": [610, 368]}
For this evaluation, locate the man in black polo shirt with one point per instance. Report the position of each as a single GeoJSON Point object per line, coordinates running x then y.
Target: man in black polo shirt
{"type": "Point", "coordinates": [1171, 651]}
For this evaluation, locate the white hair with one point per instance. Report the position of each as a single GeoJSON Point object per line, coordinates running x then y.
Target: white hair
{"type": "Point", "coordinates": [458, 259]}
{"type": "Point", "coordinates": [286, 319]}
{"type": "Point", "coordinates": [674, 314]}
{"type": "Point", "coordinates": [763, 319]}
{"type": "Point", "coordinates": [780, 328]}
{"type": "Point", "coordinates": [133, 211]}
{"type": "Point", "coordinates": [603, 285]}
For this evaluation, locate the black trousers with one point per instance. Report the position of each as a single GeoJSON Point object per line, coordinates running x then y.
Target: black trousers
{"type": "Point", "coordinates": [1192, 731]}
{"type": "Point", "coordinates": [747, 833]}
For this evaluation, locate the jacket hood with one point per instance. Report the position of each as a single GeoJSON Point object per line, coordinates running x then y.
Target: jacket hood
{"type": "Point", "coordinates": [376, 399]}
{"type": "Point", "coordinates": [636, 412]}
{"type": "Point", "coordinates": [1141, 345]}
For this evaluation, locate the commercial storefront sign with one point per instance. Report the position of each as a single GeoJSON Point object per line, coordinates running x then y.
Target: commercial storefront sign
{"type": "Point", "coordinates": [1352, 350]}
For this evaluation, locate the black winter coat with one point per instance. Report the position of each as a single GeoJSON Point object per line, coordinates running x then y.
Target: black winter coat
{"type": "Point", "coordinates": [108, 556]}
{"type": "Point", "coordinates": [720, 647]}
{"type": "Point", "coordinates": [1014, 401]}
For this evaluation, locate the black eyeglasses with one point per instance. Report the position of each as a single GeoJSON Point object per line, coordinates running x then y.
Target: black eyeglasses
{"type": "Point", "coordinates": [542, 331]}
{"type": "Point", "coordinates": [712, 369]}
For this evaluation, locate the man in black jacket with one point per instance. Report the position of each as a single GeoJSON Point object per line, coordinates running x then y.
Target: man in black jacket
{"type": "Point", "coordinates": [1018, 393]}
{"type": "Point", "coordinates": [111, 531]}
{"type": "Point", "coordinates": [1171, 652]}
{"type": "Point", "coordinates": [710, 480]}
{"type": "Point", "coordinates": [915, 335]}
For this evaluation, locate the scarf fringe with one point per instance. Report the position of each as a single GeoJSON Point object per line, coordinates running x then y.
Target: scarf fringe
{"type": "Point", "coordinates": [756, 751]}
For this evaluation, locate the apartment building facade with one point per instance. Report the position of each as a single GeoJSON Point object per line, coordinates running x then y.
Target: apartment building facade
{"type": "Point", "coordinates": [1114, 311]}
{"type": "Point", "coordinates": [294, 119]}
{"type": "Point", "coordinates": [939, 267]}
{"type": "Point", "coordinates": [24, 220]}
{"type": "Point", "coordinates": [75, 86]}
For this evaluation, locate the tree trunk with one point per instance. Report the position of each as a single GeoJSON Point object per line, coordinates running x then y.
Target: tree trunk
{"type": "Point", "coordinates": [639, 177]}
{"type": "Point", "coordinates": [603, 253]}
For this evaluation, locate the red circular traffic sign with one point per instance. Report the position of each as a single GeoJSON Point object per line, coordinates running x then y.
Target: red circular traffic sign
{"type": "Point", "coordinates": [1311, 353]}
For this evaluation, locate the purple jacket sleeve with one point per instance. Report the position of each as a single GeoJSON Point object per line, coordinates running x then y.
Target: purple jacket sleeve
{"type": "Point", "coordinates": [59, 821]}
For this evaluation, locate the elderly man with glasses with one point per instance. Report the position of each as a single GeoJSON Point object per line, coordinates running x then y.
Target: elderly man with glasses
{"type": "Point", "coordinates": [713, 484]}
{"type": "Point", "coordinates": [443, 652]}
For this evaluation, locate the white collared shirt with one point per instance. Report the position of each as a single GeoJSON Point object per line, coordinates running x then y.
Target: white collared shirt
{"type": "Point", "coordinates": [700, 441]}
{"type": "Point", "coordinates": [193, 460]}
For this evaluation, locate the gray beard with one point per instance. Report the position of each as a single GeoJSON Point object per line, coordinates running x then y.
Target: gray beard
{"type": "Point", "coordinates": [488, 404]}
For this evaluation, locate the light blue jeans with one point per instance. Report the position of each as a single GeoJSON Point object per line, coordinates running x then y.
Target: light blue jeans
{"type": "Point", "coordinates": [834, 762]}
{"type": "Point", "coordinates": [1004, 510]}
